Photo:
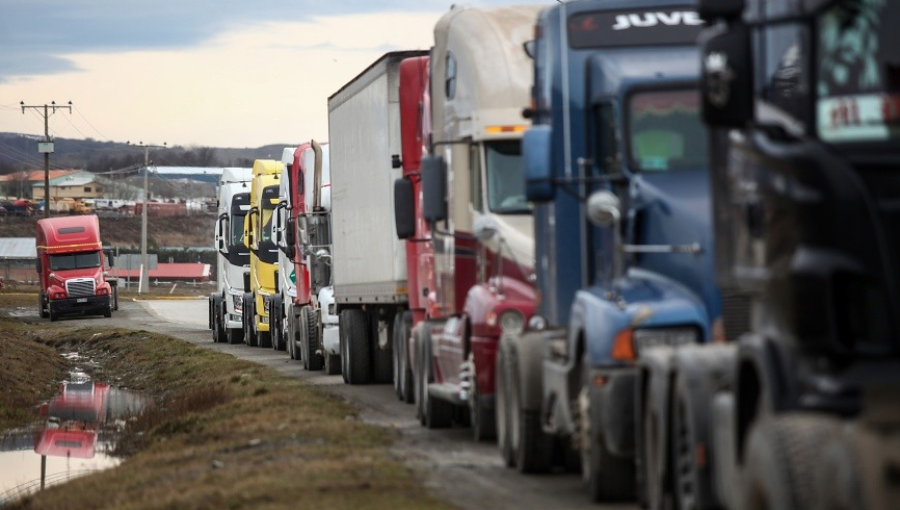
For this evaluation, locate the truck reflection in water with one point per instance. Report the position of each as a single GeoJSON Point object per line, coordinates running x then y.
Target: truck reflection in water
{"type": "Point", "coordinates": [77, 435]}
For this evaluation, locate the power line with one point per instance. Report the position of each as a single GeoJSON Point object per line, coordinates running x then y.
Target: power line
{"type": "Point", "coordinates": [105, 138]}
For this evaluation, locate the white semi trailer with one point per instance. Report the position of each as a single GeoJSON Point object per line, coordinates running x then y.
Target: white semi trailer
{"type": "Point", "coordinates": [369, 261]}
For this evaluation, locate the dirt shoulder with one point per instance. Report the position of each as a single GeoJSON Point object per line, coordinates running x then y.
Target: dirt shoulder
{"type": "Point", "coordinates": [224, 433]}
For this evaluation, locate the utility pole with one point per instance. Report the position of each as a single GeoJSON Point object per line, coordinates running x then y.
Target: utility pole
{"type": "Point", "coordinates": [46, 147]}
{"type": "Point", "coordinates": [144, 284]}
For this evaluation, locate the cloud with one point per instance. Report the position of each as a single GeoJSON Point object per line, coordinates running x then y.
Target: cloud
{"type": "Point", "coordinates": [40, 36]}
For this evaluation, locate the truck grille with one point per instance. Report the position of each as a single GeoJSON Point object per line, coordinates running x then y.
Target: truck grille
{"type": "Point", "coordinates": [735, 313]}
{"type": "Point", "coordinates": [80, 287]}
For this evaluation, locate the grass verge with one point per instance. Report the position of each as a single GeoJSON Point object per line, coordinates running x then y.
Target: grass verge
{"type": "Point", "coordinates": [224, 434]}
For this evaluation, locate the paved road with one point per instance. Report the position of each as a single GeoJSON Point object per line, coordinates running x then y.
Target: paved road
{"type": "Point", "coordinates": [460, 470]}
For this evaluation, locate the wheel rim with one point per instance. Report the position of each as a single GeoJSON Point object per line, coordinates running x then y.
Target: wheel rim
{"type": "Point", "coordinates": [686, 482]}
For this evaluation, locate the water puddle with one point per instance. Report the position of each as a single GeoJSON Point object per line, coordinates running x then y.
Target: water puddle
{"type": "Point", "coordinates": [75, 434]}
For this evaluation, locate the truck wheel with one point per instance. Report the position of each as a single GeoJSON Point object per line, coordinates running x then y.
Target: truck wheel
{"type": "Point", "coordinates": [355, 333]}
{"type": "Point", "coordinates": [53, 315]}
{"type": "Point", "coordinates": [107, 312]}
{"type": "Point", "coordinates": [501, 389]}
{"type": "Point", "coordinates": [532, 448]}
{"type": "Point", "coordinates": [382, 359]}
{"type": "Point", "coordinates": [43, 310]}
{"type": "Point", "coordinates": [481, 416]}
{"type": "Point", "coordinates": [405, 371]}
{"type": "Point", "coordinates": [783, 455]}
{"type": "Point", "coordinates": [342, 344]}
{"type": "Point", "coordinates": [332, 364]}
{"type": "Point", "coordinates": [437, 413]}
{"type": "Point", "coordinates": [264, 338]}
{"type": "Point", "coordinates": [312, 359]}
{"type": "Point", "coordinates": [249, 318]}
{"type": "Point", "coordinates": [395, 354]}
{"type": "Point", "coordinates": [416, 371]}
{"type": "Point", "coordinates": [276, 324]}
{"type": "Point", "coordinates": [235, 336]}
{"type": "Point", "coordinates": [607, 478]}
{"type": "Point", "coordinates": [838, 476]}
{"type": "Point", "coordinates": [652, 458]}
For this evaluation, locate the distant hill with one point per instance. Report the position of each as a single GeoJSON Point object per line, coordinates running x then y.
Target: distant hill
{"type": "Point", "coordinates": [19, 152]}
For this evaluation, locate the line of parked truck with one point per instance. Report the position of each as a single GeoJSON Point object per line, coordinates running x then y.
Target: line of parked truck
{"type": "Point", "coordinates": [648, 240]}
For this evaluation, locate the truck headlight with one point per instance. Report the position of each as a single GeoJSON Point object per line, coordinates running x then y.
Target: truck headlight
{"type": "Point", "coordinates": [674, 337]}
{"type": "Point", "coordinates": [511, 321]}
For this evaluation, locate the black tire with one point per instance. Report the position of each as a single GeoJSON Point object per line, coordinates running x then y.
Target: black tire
{"type": "Point", "coordinates": [656, 490]}
{"type": "Point", "coordinates": [53, 315]}
{"type": "Point", "coordinates": [235, 336]}
{"type": "Point", "coordinates": [838, 479]}
{"type": "Point", "coordinates": [44, 311]}
{"type": "Point", "coordinates": [345, 367]}
{"type": "Point", "coordinates": [784, 453]}
{"type": "Point", "coordinates": [355, 333]}
{"type": "Point", "coordinates": [395, 355]}
{"type": "Point", "coordinates": [107, 312]}
{"type": "Point", "coordinates": [332, 364]}
{"type": "Point", "coordinates": [416, 371]}
{"type": "Point", "coordinates": [606, 477]}
{"type": "Point", "coordinates": [531, 447]}
{"type": "Point", "coordinates": [437, 413]}
{"type": "Point", "coordinates": [405, 376]}
{"type": "Point", "coordinates": [313, 360]}
{"type": "Point", "coordinates": [382, 358]}
{"type": "Point", "coordinates": [264, 338]}
{"type": "Point", "coordinates": [482, 418]}
{"type": "Point", "coordinates": [501, 388]}
{"type": "Point", "coordinates": [249, 318]}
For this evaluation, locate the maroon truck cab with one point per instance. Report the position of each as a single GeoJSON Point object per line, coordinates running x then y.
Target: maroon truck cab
{"type": "Point", "coordinates": [71, 266]}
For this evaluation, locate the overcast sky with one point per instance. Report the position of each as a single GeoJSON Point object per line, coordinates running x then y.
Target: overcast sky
{"type": "Point", "coordinates": [225, 73]}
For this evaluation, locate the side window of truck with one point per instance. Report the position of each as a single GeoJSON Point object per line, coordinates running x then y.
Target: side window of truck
{"type": "Point", "coordinates": [475, 178]}
{"type": "Point", "coordinates": [606, 153]}
{"type": "Point", "coordinates": [451, 76]}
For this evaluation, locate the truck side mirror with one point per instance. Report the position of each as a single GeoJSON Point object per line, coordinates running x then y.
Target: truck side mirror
{"type": "Point", "coordinates": [726, 86]}
{"type": "Point", "coordinates": [434, 189]}
{"type": "Point", "coordinates": [404, 208]}
{"type": "Point", "coordinates": [221, 221]}
{"type": "Point", "coordinates": [290, 237]}
{"type": "Point", "coordinates": [110, 260]}
{"type": "Point", "coordinates": [539, 185]}
{"type": "Point", "coordinates": [710, 10]}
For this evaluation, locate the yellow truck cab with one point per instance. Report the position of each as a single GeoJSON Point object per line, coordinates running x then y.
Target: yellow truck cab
{"type": "Point", "coordinates": [258, 238]}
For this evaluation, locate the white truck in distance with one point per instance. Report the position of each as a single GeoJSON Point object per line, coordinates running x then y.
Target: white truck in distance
{"type": "Point", "coordinates": [233, 264]}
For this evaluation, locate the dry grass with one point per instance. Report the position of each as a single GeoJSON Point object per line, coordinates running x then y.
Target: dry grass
{"type": "Point", "coordinates": [226, 434]}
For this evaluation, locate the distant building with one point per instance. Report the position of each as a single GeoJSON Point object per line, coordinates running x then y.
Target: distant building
{"type": "Point", "coordinates": [19, 184]}
{"type": "Point", "coordinates": [77, 185]}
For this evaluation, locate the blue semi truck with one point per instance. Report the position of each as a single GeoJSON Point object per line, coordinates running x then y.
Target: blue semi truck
{"type": "Point", "coordinates": [617, 167]}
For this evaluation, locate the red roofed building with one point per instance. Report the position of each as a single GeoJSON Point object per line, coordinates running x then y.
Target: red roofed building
{"type": "Point", "coordinates": [168, 272]}
{"type": "Point", "coordinates": [18, 184]}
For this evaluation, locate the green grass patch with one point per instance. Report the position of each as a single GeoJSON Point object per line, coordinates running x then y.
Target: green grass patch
{"type": "Point", "coordinates": [223, 434]}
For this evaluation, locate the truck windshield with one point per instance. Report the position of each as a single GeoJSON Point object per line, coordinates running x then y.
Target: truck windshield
{"type": "Point", "coordinates": [84, 260]}
{"type": "Point", "coordinates": [237, 229]}
{"type": "Point", "coordinates": [505, 179]}
{"type": "Point", "coordinates": [665, 131]}
{"type": "Point", "coordinates": [858, 77]}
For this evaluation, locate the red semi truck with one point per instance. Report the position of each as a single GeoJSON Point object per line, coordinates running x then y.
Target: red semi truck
{"type": "Point", "coordinates": [469, 276]}
{"type": "Point", "coordinates": [71, 266]}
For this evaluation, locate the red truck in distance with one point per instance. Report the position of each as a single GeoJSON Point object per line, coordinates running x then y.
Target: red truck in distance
{"type": "Point", "coordinates": [71, 265]}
